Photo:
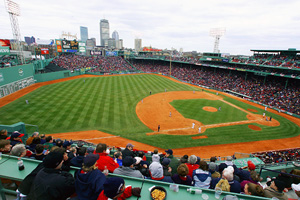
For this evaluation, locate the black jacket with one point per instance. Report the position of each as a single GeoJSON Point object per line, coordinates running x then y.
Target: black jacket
{"type": "Point", "coordinates": [52, 184]}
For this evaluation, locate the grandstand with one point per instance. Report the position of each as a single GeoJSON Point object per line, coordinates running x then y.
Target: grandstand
{"type": "Point", "coordinates": [268, 78]}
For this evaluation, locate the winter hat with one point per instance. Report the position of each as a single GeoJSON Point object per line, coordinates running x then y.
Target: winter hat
{"type": "Point", "coordinates": [90, 159]}
{"type": "Point", "coordinates": [279, 184]}
{"type": "Point", "coordinates": [165, 161]}
{"type": "Point", "coordinates": [192, 159]}
{"type": "Point", "coordinates": [113, 186]}
{"type": "Point", "coordinates": [53, 159]}
{"type": "Point", "coordinates": [128, 161]}
{"type": "Point", "coordinates": [212, 166]}
{"type": "Point", "coordinates": [156, 170]}
{"type": "Point", "coordinates": [228, 173]}
{"type": "Point", "coordinates": [155, 158]}
{"type": "Point", "coordinates": [251, 166]}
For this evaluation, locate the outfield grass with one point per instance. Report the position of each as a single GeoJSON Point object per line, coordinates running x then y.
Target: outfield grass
{"type": "Point", "coordinates": [108, 104]}
{"type": "Point", "coordinates": [193, 109]}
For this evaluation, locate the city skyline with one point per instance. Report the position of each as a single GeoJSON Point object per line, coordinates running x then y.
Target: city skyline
{"type": "Point", "coordinates": [269, 24]}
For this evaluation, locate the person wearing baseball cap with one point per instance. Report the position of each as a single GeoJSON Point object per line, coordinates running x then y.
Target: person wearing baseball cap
{"type": "Point", "coordinates": [89, 180]}
{"type": "Point", "coordinates": [51, 183]}
{"type": "Point", "coordinates": [128, 151]}
{"type": "Point", "coordinates": [15, 138]}
{"type": "Point", "coordinates": [114, 188]}
{"type": "Point", "coordinates": [127, 168]}
{"type": "Point", "coordinates": [276, 190]}
{"type": "Point", "coordinates": [174, 162]}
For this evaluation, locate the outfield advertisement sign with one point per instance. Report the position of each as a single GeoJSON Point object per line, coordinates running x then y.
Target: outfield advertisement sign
{"type": "Point", "coordinates": [70, 46]}
{"type": "Point", "coordinates": [97, 53]}
{"type": "Point", "coordinates": [15, 86]}
{"type": "Point", "coordinates": [4, 50]}
{"type": "Point", "coordinates": [111, 53]}
{"type": "Point", "coordinates": [82, 48]}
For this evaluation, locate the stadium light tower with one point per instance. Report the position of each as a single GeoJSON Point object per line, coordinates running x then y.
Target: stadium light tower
{"type": "Point", "coordinates": [13, 10]}
{"type": "Point", "coordinates": [217, 33]}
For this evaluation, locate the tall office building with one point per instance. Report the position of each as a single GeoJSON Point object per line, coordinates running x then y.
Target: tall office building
{"type": "Point", "coordinates": [84, 33]}
{"type": "Point", "coordinates": [138, 44]}
{"type": "Point", "coordinates": [104, 32]}
{"type": "Point", "coordinates": [115, 35]}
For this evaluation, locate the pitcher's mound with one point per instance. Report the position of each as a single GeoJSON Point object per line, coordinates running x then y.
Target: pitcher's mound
{"type": "Point", "coordinates": [253, 127]}
{"type": "Point", "coordinates": [209, 109]}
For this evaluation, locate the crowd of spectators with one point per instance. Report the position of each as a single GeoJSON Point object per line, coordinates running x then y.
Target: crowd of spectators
{"type": "Point", "coordinates": [279, 156]}
{"type": "Point", "coordinates": [272, 92]}
{"type": "Point", "coordinates": [276, 60]}
{"type": "Point", "coordinates": [97, 63]}
{"type": "Point", "coordinates": [51, 178]}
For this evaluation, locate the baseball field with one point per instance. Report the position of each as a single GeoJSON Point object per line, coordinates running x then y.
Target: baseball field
{"type": "Point", "coordinates": [120, 108]}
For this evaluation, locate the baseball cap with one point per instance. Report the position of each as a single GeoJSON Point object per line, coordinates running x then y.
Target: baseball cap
{"type": "Point", "coordinates": [67, 143]}
{"type": "Point", "coordinates": [129, 145]}
{"type": "Point", "coordinates": [90, 159]}
{"type": "Point", "coordinates": [169, 151]}
{"type": "Point", "coordinates": [113, 186]}
{"type": "Point", "coordinates": [16, 134]}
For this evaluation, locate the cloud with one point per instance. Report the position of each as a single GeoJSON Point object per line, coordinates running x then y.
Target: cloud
{"type": "Point", "coordinates": [166, 24]}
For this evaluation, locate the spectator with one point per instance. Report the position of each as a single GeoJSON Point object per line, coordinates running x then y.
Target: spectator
{"type": "Point", "coordinates": [67, 145]}
{"type": "Point", "coordinates": [105, 161]}
{"type": "Point", "coordinates": [15, 138]}
{"type": "Point", "coordinates": [227, 176]}
{"type": "Point", "coordinates": [39, 149]}
{"type": "Point", "coordinates": [167, 169]}
{"type": "Point", "coordinates": [182, 176]}
{"type": "Point", "coordinates": [90, 150]}
{"type": "Point", "coordinates": [51, 183]}
{"type": "Point", "coordinates": [184, 159]}
{"type": "Point", "coordinates": [254, 189]}
{"type": "Point", "coordinates": [3, 134]}
{"type": "Point", "coordinates": [192, 165]}
{"type": "Point", "coordinates": [89, 180]}
{"type": "Point", "coordinates": [128, 168]}
{"type": "Point", "coordinates": [276, 190]}
{"type": "Point", "coordinates": [34, 135]}
{"type": "Point", "coordinates": [128, 151]}
{"type": "Point", "coordinates": [202, 176]}
{"type": "Point", "coordinates": [213, 170]}
{"type": "Point", "coordinates": [5, 146]}
{"type": "Point", "coordinates": [43, 138]}
{"type": "Point", "coordinates": [254, 178]}
{"type": "Point", "coordinates": [174, 163]}
{"type": "Point", "coordinates": [114, 188]}
{"type": "Point", "coordinates": [33, 144]}
{"type": "Point", "coordinates": [49, 143]}
{"type": "Point", "coordinates": [78, 160]}
{"type": "Point", "coordinates": [244, 174]}
{"type": "Point", "coordinates": [20, 151]}
{"type": "Point", "coordinates": [118, 157]}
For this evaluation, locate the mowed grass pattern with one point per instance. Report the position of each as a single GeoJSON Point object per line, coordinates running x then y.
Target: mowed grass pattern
{"type": "Point", "coordinates": [193, 109]}
{"type": "Point", "coordinates": [100, 103]}
{"type": "Point", "coordinates": [108, 104]}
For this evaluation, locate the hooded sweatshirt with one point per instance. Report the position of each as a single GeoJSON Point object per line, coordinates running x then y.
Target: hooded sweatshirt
{"type": "Point", "coordinates": [202, 178]}
{"type": "Point", "coordinates": [89, 185]}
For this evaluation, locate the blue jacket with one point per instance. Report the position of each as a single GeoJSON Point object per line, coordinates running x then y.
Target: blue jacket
{"type": "Point", "coordinates": [202, 178]}
{"type": "Point", "coordinates": [89, 185]}
{"type": "Point", "coordinates": [77, 161]}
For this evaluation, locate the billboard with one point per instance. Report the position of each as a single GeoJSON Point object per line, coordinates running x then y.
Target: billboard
{"type": "Point", "coordinates": [111, 53]}
{"type": "Point", "coordinates": [98, 53]}
{"type": "Point", "coordinates": [44, 51]}
{"type": "Point", "coordinates": [66, 46]}
{"type": "Point", "coordinates": [5, 43]}
{"type": "Point", "coordinates": [82, 48]}
{"type": "Point", "coordinates": [4, 50]}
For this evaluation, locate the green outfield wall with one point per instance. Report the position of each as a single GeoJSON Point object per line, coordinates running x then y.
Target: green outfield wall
{"type": "Point", "coordinates": [55, 75]}
{"type": "Point", "coordinates": [15, 78]}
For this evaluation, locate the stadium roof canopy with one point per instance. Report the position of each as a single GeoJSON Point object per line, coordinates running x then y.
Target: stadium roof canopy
{"type": "Point", "coordinates": [290, 51]}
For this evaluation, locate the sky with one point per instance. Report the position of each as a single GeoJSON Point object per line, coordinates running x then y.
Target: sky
{"type": "Point", "coordinates": [166, 24]}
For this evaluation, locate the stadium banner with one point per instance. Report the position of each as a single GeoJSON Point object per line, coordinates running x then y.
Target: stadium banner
{"type": "Point", "coordinates": [82, 47]}
{"type": "Point", "coordinates": [111, 53]}
{"type": "Point", "coordinates": [5, 43]}
{"type": "Point", "coordinates": [15, 86]}
{"type": "Point", "coordinates": [58, 46]}
{"type": "Point", "coordinates": [4, 50]}
{"type": "Point", "coordinates": [44, 51]}
{"type": "Point", "coordinates": [98, 53]}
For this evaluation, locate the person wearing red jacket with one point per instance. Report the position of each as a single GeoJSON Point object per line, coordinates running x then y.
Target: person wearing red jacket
{"type": "Point", "coordinates": [105, 161]}
{"type": "Point", "coordinates": [114, 188]}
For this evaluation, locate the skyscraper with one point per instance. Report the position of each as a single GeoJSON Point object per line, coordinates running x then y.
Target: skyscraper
{"type": "Point", "coordinates": [138, 44]}
{"type": "Point", "coordinates": [84, 33]}
{"type": "Point", "coordinates": [115, 35]}
{"type": "Point", "coordinates": [104, 32]}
